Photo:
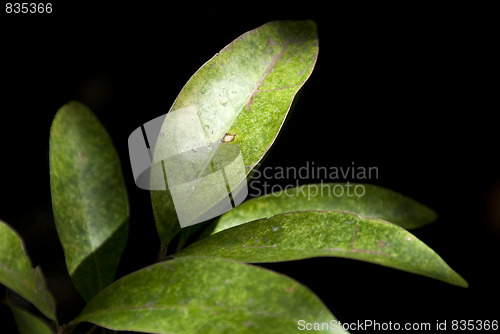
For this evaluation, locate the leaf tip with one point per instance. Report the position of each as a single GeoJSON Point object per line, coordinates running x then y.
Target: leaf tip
{"type": "Point", "coordinates": [461, 282]}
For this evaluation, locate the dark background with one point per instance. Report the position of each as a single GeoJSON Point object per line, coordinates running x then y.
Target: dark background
{"type": "Point", "coordinates": [409, 90]}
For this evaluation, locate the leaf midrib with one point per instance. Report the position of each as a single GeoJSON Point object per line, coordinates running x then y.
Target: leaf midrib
{"type": "Point", "coordinates": [173, 306]}
{"type": "Point", "coordinates": [246, 103]}
{"type": "Point", "coordinates": [87, 217]}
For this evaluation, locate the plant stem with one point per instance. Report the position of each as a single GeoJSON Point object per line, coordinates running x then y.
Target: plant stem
{"type": "Point", "coordinates": [162, 254]}
{"type": "Point", "coordinates": [66, 328]}
{"type": "Point", "coordinates": [92, 330]}
{"type": "Point", "coordinates": [180, 245]}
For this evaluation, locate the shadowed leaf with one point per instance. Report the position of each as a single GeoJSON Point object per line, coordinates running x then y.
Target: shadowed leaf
{"type": "Point", "coordinates": [364, 199]}
{"type": "Point", "coordinates": [89, 197]}
{"type": "Point", "coordinates": [17, 273]}
{"type": "Point", "coordinates": [28, 323]}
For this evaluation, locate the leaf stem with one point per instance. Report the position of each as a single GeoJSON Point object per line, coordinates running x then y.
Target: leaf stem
{"type": "Point", "coordinates": [92, 330]}
{"type": "Point", "coordinates": [66, 328]}
{"type": "Point", "coordinates": [180, 244]}
{"type": "Point", "coordinates": [162, 254]}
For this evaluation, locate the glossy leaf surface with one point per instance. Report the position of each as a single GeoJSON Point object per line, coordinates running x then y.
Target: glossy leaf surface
{"type": "Point", "coordinates": [89, 197]}
{"type": "Point", "coordinates": [305, 234]}
{"type": "Point", "coordinates": [18, 274]}
{"type": "Point", "coordinates": [205, 295]}
{"type": "Point", "coordinates": [238, 99]}
{"type": "Point", "coordinates": [364, 199]}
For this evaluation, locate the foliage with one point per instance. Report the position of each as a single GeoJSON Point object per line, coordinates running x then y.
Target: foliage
{"type": "Point", "coordinates": [246, 91]}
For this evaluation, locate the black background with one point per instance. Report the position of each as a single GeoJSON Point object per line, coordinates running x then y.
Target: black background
{"type": "Point", "coordinates": [409, 90]}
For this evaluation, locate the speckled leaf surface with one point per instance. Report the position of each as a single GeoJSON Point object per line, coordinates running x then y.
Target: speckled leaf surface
{"type": "Point", "coordinates": [28, 323]}
{"type": "Point", "coordinates": [205, 295]}
{"type": "Point", "coordinates": [241, 97]}
{"type": "Point", "coordinates": [364, 199]}
{"type": "Point", "coordinates": [300, 235]}
{"type": "Point", "coordinates": [18, 274]}
{"type": "Point", "coordinates": [89, 197]}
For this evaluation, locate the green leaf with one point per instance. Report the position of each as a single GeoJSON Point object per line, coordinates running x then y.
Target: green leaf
{"type": "Point", "coordinates": [205, 295]}
{"type": "Point", "coordinates": [89, 197]}
{"type": "Point", "coordinates": [235, 104]}
{"type": "Point", "coordinates": [167, 223]}
{"type": "Point", "coordinates": [17, 273]}
{"type": "Point", "coordinates": [364, 199]}
{"type": "Point", "coordinates": [28, 323]}
{"type": "Point", "coordinates": [300, 235]}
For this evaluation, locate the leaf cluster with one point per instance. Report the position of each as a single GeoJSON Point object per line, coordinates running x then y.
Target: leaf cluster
{"type": "Point", "coordinates": [213, 284]}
